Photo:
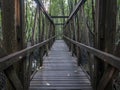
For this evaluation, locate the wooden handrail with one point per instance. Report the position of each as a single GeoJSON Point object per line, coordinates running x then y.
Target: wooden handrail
{"type": "Point", "coordinates": [7, 61]}
{"type": "Point", "coordinates": [106, 57]}
{"type": "Point", "coordinates": [41, 6]}
{"type": "Point", "coordinates": [80, 3]}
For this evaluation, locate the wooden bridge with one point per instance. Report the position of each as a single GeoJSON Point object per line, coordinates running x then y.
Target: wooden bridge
{"type": "Point", "coordinates": [51, 64]}
{"type": "Point", "coordinates": [60, 71]}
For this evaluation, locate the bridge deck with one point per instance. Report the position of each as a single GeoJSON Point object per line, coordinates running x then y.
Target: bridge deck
{"type": "Point", "coordinates": [60, 71]}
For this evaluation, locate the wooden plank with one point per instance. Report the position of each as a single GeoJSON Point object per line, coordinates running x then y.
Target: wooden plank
{"type": "Point", "coordinates": [61, 88]}
{"type": "Point", "coordinates": [61, 85]}
{"type": "Point", "coordinates": [61, 82]}
{"type": "Point", "coordinates": [62, 78]}
{"type": "Point", "coordinates": [62, 74]}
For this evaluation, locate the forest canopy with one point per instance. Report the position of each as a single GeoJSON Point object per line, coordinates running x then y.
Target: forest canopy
{"type": "Point", "coordinates": [62, 8]}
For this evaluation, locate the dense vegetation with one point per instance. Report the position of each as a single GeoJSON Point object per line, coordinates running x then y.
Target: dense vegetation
{"type": "Point", "coordinates": [37, 25]}
{"type": "Point", "coordinates": [63, 8]}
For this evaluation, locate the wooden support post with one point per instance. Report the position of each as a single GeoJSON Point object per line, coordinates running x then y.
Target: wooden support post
{"type": "Point", "coordinates": [71, 29]}
{"type": "Point", "coordinates": [53, 33]}
{"type": "Point", "coordinates": [78, 39]}
{"type": "Point", "coordinates": [41, 49]}
{"type": "Point", "coordinates": [73, 36]}
{"type": "Point", "coordinates": [68, 34]}
{"type": "Point", "coordinates": [47, 32]}
{"type": "Point", "coordinates": [29, 69]}
{"type": "Point", "coordinates": [39, 34]}
{"type": "Point", "coordinates": [67, 31]}
{"type": "Point", "coordinates": [23, 72]}
{"type": "Point", "coordinates": [90, 65]}
{"type": "Point", "coordinates": [49, 35]}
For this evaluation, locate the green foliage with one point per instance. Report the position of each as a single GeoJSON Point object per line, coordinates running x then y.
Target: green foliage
{"type": "Point", "coordinates": [29, 18]}
{"type": "Point", "coordinates": [88, 14]}
{"type": "Point", "coordinates": [58, 8]}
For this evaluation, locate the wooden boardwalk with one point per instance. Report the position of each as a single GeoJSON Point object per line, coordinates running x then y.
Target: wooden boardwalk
{"type": "Point", "coordinates": [60, 71]}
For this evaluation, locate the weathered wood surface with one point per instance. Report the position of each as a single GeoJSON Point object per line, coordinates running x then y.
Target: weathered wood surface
{"type": "Point", "coordinates": [106, 57]}
{"type": "Point", "coordinates": [60, 71]}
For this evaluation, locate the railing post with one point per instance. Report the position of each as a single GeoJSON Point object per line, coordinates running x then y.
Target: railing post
{"type": "Point", "coordinates": [77, 38]}
{"type": "Point", "coordinates": [24, 71]}
{"type": "Point", "coordinates": [71, 45]}
{"type": "Point", "coordinates": [49, 35]}
{"type": "Point", "coordinates": [39, 34]}
{"type": "Point", "coordinates": [73, 36]}
{"type": "Point", "coordinates": [68, 27]}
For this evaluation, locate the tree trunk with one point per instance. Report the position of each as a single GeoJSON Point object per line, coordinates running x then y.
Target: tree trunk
{"type": "Point", "coordinates": [9, 29]}
{"type": "Point", "coordinates": [105, 38]}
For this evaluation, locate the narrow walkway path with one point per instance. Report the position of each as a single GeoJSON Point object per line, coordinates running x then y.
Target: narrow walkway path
{"type": "Point", "coordinates": [60, 71]}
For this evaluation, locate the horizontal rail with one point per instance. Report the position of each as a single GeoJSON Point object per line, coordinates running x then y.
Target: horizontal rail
{"type": "Point", "coordinates": [80, 3]}
{"type": "Point", "coordinates": [106, 57]}
{"type": "Point", "coordinates": [7, 61]}
{"type": "Point", "coordinates": [41, 6]}
{"type": "Point", "coordinates": [59, 16]}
